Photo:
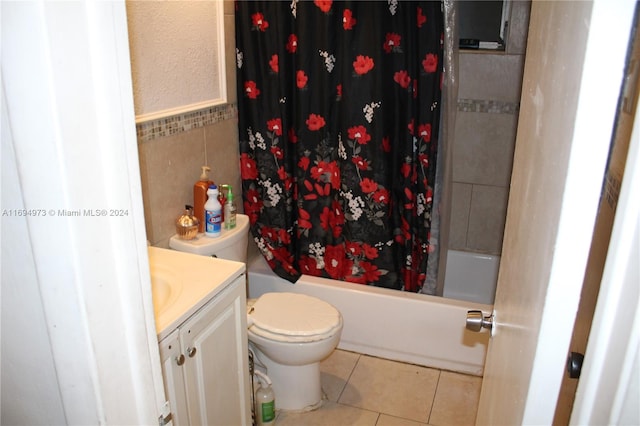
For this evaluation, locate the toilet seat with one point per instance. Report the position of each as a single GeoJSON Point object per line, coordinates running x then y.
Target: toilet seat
{"type": "Point", "coordinates": [293, 317]}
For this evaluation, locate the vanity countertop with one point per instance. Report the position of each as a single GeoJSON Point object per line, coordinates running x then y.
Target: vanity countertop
{"type": "Point", "coordinates": [184, 283]}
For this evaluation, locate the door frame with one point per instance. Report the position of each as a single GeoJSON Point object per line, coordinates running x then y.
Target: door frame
{"type": "Point", "coordinates": [69, 134]}
{"type": "Point", "coordinates": [608, 388]}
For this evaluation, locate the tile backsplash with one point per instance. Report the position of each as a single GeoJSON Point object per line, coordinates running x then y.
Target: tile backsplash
{"type": "Point", "coordinates": [172, 151]}
{"type": "Point", "coordinates": [168, 126]}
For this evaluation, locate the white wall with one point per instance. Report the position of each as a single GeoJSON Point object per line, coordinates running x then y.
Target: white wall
{"type": "Point", "coordinates": [177, 56]}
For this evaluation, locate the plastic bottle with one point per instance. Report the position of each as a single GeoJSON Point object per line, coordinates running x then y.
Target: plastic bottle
{"type": "Point", "coordinates": [213, 213]}
{"type": "Point", "coordinates": [229, 209]}
{"type": "Point", "coordinates": [200, 189]}
{"type": "Point", "coordinates": [265, 401]}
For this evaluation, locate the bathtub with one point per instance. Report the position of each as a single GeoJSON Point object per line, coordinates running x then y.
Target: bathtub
{"type": "Point", "coordinates": [407, 327]}
{"type": "Point", "coordinates": [471, 276]}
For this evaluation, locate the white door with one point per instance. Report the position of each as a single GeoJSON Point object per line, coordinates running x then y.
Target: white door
{"type": "Point", "coordinates": [573, 72]}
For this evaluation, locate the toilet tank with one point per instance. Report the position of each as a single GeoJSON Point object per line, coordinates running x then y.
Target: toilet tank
{"type": "Point", "coordinates": [230, 245]}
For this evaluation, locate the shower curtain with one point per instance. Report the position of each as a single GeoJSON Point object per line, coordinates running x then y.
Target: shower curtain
{"type": "Point", "coordinates": [339, 116]}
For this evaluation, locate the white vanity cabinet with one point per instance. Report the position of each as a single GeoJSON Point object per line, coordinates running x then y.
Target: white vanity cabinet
{"type": "Point", "coordinates": [173, 374]}
{"type": "Point", "coordinates": [205, 362]}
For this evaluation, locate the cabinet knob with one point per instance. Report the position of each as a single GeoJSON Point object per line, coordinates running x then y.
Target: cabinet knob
{"type": "Point", "coordinates": [180, 359]}
{"type": "Point", "coordinates": [191, 352]}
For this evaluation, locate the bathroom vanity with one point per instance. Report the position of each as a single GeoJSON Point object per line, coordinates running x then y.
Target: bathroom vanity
{"type": "Point", "coordinates": [200, 307]}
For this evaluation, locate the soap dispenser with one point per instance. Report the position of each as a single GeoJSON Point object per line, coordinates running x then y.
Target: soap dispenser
{"type": "Point", "coordinates": [200, 196]}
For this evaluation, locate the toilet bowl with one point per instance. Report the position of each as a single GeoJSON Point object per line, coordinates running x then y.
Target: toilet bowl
{"type": "Point", "coordinates": [289, 333]}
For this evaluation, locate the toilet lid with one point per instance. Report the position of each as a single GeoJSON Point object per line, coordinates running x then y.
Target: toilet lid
{"type": "Point", "coordinates": [293, 317]}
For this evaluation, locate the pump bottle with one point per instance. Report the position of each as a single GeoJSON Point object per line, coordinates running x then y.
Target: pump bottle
{"type": "Point", "coordinates": [213, 213]}
{"type": "Point", "coordinates": [200, 189]}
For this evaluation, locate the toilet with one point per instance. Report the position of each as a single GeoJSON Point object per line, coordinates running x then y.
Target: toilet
{"type": "Point", "coordinates": [289, 333]}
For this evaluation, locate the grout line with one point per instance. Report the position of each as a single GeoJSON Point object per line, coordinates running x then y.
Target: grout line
{"type": "Point", "coordinates": [380, 412]}
{"type": "Point", "coordinates": [433, 401]}
{"type": "Point", "coordinates": [349, 378]}
{"type": "Point", "coordinates": [204, 143]}
{"type": "Point", "coordinates": [466, 232]}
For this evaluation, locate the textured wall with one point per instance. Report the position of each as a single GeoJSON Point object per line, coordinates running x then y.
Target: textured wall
{"type": "Point", "coordinates": [174, 53]}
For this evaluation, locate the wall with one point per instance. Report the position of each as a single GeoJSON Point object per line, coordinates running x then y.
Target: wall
{"type": "Point", "coordinates": [488, 104]}
{"type": "Point", "coordinates": [171, 40]}
{"type": "Point", "coordinates": [173, 149]}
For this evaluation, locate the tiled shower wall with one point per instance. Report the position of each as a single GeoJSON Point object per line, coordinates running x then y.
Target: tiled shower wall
{"type": "Point", "coordinates": [486, 122]}
{"type": "Point", "coordinates": [173, 149]}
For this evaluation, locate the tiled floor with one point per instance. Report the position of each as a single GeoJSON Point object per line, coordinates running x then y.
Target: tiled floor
{"type": "Point", "coordinates": [366, 391]}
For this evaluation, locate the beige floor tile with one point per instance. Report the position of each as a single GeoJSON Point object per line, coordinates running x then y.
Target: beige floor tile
{"type": "Point", "coordinates": [393, 388]}
{"type": "Point", "coordinates": [335, 372]}
{"type": "Point", "coordinates": [456, 400]}
{"type": "Point", "coordinates": [385, 420]}
{"type": "Point", "coordinates": [330, 414]}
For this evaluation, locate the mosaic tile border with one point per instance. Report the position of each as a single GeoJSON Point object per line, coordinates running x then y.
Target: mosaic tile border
{"type": "Point", "coordinates": [493, 107]}
{"type": "Point", "coordinates": [181, 123]}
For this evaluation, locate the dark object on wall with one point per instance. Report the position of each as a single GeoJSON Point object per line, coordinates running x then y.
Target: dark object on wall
{"type": "Point", "coordinates": [482, 24]}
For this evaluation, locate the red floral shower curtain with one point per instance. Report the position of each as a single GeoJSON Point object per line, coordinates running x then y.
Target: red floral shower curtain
{"type": "Point", "coordinates": [338, 107]}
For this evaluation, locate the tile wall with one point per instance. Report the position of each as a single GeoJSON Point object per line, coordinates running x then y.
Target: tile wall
{"type": "Point", "coordinates": [488, 103]}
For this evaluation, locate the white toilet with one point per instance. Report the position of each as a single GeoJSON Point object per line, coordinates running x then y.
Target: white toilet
{"type": "Point", "coordinates": [289, 333]}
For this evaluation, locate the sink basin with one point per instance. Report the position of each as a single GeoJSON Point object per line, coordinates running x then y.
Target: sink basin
{"type": "Point", "coordinates": [165, 288]}
{"type": "Point", "coordinates": [182, 283]}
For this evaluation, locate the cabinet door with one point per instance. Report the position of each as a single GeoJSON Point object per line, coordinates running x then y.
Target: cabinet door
{"type": "Point", "coordinates": [172, 369]}
{"type": "Point", "coordinates": [216, 368]}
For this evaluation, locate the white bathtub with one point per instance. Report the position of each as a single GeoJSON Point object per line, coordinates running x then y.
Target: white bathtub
{"type": "Point", "coordinates": [471, 276]}
{"type": "Point", "coordinates": [408, 327]}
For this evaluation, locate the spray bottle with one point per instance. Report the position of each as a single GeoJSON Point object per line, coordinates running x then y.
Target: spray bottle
{"type": "Point", "coordinates": [265, 401]}
{"type": "Point", "coordinates": [229, 208]}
